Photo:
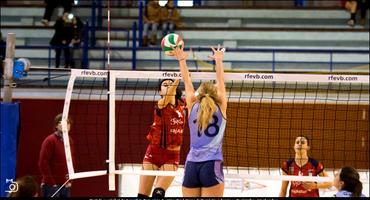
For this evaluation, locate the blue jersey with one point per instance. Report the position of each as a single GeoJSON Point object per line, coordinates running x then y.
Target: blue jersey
{"type": "Point", "coordinates": [206, 145]}
{"type": "Point", "coordinates": [345, 193]}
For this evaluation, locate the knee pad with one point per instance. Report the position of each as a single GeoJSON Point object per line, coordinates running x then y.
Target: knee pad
{"type": "Point", "coordinates": [158, 193]}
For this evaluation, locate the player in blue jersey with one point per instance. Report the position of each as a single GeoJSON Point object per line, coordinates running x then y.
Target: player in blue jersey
{"type": "Point", "coordinates": [203, 175]}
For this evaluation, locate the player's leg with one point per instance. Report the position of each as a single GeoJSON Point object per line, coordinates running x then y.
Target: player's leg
{"type": "Point", "coordinates": [149, 163]}
{"type": "Point", "coordinates": [191, 185]}
{"type": "Point", "coordinates": [164, 182]}
{"type": "Point", "coordinates": [214, 191]}
{"type": "Point", "coordinates": [211, 177]}
{"type": "Point", "coordinates": [146, 182]}
{"type": "Point", "coordinates": [191, 192]}
{"type": "Point", "coordinates": [170, 162]}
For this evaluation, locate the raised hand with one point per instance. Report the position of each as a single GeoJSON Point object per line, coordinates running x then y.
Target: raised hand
{"type": "Point", "coordinates": [179, 53]}
{"type": "Point", "coordinates": [218, 54]}
{"type": "Point", "coordinates": [172, 88]}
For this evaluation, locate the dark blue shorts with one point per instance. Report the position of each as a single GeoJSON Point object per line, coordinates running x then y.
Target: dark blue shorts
{"type": "Point", "coordinates": [203, 174]}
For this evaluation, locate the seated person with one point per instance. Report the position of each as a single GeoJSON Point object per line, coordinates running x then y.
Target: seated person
{"type": "Point", "coordinates": [170, 18]}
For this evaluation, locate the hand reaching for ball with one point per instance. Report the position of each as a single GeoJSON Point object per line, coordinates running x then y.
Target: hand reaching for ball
{"type": "Point", "coordinates": [170, 41]}
{"type": "Point", "coordinates": [179, 53]}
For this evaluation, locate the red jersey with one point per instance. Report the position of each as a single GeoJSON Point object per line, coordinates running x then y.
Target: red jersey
{"type": "Point", "coordinates": [168, 125]}
{"type": "Point", "coordinates": [311, 168]}
{"type": "Point", "coordinates": [52, 160]}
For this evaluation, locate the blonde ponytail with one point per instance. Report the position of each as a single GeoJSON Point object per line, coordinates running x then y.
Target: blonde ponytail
{"type": "Point", "coordinates": [208, 100]}
{"type": "Point", "coordinates": [206, 109]}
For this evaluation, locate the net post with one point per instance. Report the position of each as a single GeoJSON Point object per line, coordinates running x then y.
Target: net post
{"type": "Point", "coordinates": [8, 67]}
{"type": "Point", "coordinates": [111, 131]}
{"type": "Point", "coordinates": [67, 102]}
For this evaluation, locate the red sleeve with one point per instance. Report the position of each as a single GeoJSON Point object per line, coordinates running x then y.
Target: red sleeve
{"type": "Point", "coordinates": [284, 167]}
{"type": "Point", "coordinates": [45, 156]}
{"type": "Point", "coordinates": [319, 168]}
{"type": "Point", "coordinates": [154, 128]}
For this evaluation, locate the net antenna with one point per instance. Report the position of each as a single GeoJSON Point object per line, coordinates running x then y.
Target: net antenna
{"type": "Point", "coordinates": [111, 113]}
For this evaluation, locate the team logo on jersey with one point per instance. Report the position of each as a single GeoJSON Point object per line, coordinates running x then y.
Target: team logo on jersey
{"type": "Point", "coordinates": [176, 131]}
{"type": "Point", "coordinates": [176, 121]}
{"type": "Point", "coordinates": [179, 114]}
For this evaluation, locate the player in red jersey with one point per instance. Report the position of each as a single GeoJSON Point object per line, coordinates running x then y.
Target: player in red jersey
{"type": "Point", "coordinates": [165, 137]}
{"type": "Point", "coordinates": [302, 165]}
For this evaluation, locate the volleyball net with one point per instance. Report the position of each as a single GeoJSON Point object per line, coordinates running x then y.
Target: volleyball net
{"type": "Point", "coordinates": [112, 113]}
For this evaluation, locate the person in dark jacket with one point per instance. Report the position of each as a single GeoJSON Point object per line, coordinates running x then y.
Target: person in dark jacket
{"type": "Point", "coordinates": [62, 39]}
{"type": "Point", "coordinates": [2, 52]}
{"type": "Point", "coordinates": [77, 26]}
{"type": "Point", "coordinates": [50, 5]}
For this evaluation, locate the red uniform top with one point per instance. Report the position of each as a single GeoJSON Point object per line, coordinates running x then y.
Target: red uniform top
{"type": "Point", "coordinates": [168, 125]}
{"type": "Point", "coordinates": [52, 160]}
{"type": "Point", "coordinates": [311, 168]}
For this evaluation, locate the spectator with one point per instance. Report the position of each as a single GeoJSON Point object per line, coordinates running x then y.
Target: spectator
{"type": "Point", "coordinates": [197, 2]}
{"type": "Point", "coordinates": [27, 187]}
{"type": "Point", "coordinates": [299, 3]}
{"type": "Point", "coordinates": [348, 183]}
{"type": "Point", "coordinates": [2, 47]}
{"type": "Point", "coordinates": [170, 18]}
{"type": "Point", "coordinates": [62, 38]}
{"type": "Point", "coordinates": [2, 52]}
{"type": "Point", "coordinates": [52, 163]}
{"type": "Point", "coordinates": [50, 5]}
{"type": "Point", "coordinates": [248, 3]}
{"type": "Point", "coordinates": [151, 21]}
{"type": "Point", "coordinates": [353, 6]}
{"type": "Point", "coordinates": [77, 26]}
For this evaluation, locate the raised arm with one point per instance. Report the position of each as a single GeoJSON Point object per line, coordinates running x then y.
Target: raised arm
{"type": "Point", "coordinates": [170, 96]}
{"type": "Point", "coordinates": [218, 56]}
{"type": "Point", "coordinates": [181, 56]}
{"type": "Point", "coordinates": [324, 184]}
{"type": "Point", "coordinates": [314, 185]}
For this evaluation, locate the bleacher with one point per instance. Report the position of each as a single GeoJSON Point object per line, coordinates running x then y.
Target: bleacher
{"type": "Point", "coordinates": [277, 39]}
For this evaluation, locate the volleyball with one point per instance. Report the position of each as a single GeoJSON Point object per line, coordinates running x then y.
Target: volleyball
{"type": "Point", "coordinates": [171, 41]}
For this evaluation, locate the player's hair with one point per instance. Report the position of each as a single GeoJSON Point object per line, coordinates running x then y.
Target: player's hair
{"type": "Point", "coordinates": [27, 187]}
{"type": "Point", "coordinates": [351, 180]}
{"type": "Point", "coordinates": [208, 101]}
{"type": "Point", "coordinates": [178, 90]}
{"type": "Point", "coordinates": [58, 119]}
{"type": "Point", "coordinates": [307, 139]}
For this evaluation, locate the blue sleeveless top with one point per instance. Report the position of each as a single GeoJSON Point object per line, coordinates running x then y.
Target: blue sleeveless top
{"type": "Point", "coordinates": [208, 144]}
